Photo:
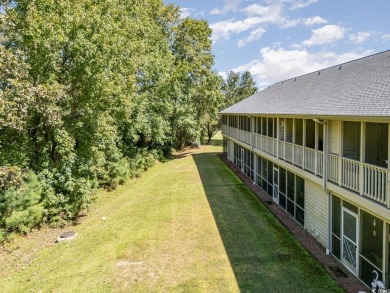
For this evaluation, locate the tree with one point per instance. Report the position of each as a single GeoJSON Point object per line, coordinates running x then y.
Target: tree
{"type": "Point", "coordinates": [193, 82]}
{"type": "Point", "coordinates": [237, 87]}
{"type": "Point", "coordinates": [92, 92]}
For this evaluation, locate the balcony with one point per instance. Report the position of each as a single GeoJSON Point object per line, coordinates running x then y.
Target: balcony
{"type": "Point", "coordinates": [303, 157]}
{"type": "Point", "coordinates": [364, 179]}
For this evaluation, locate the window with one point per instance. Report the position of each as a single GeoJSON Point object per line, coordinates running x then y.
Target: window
{"type": "Point", "coordinates": [298, 131]}
{"type": "Point", "coordinates": [290, 193]}
{"type": "Point", "coordinates": [371, 247]}
{"type": "Point", "coordinates": [270, 178]}
{"type": "Point", "coordinates": [310, 133]}
{"type": "Point", "coordinates": [224, 119]}
{"type": "Point", "coordinates": [351, 140]}
{"type": "Point", "coordinates": [336, 224]}
{"type": "Point", "coordinates": [289, 130]}
{"type": "Point", "coordinates": [272, 127]}
{"type": "Point", "coordinates": [258, 123]}
{"type": "Point", "coordinates": [300, 199]}
{"type": "Point", "coordinates": [291, 188]}
{"type": "Point", "coordinates": [282, 187]}
{"type": "Point", "coordinates": [377, 144]}
{"type": "Point", "coordinates": [237, 155]}
{"type": "Point", "coordinates": [281, 128]}
{"type": "Point", "coordinates": [264, 126]}
{"type": "Point", "coordinates": [320, 137]}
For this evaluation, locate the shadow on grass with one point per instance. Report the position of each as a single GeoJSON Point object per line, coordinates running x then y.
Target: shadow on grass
{"type": "Point", "coordinates": [264, 255]}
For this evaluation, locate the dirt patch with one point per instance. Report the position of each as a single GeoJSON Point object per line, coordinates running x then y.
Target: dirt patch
{"type": "Point", "coordinates": [338, 272]}
{"type": "Point", "coordinates": [334, 268]}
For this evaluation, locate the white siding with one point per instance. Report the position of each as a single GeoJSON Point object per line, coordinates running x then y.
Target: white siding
{"type": "Point", "coordinates": [316, 211]}
{"type": "Point", "coordinates": [334, 137]}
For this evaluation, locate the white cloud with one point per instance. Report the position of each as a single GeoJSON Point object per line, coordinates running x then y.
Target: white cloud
{"type": "Point", "coordinates": [272, 13]}
{"type": "Point", "coordinates": [360, 37]}
{"type": "Point", "coordinates": [302, 4]}
{"type": "Point", "coordinates": [185, 12]}
{"type": "Point", "coordinates": [223, 29]}
{"type": "Point", "coordinates": [216, 11]}
{"type": "Point", "coordinates": [325, 35]}
{"type": "Point", "coordinates": [253, 36]}
{"type": "Point", "coordinates": [385, 37]}
{"type": "Point", "coordinates": [229, 5]}
{"type": "Point", "coordinates": [314, 20]}
{"type": "Point", "coordinates": [257, 14]}
{"type": "Point", "coordinates": [264, 11]}
{"type": "Point", "coordinates": [223, 74]}
{"type": "Point", "coordinates": [280, 64]}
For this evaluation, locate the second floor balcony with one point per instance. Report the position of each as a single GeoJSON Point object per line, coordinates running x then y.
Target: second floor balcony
{"type": "Point", "coordinates": [365, 179]}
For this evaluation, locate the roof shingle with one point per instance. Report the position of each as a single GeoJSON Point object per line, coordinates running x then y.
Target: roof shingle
{"type": "Point", "coordinates": [359, 88]}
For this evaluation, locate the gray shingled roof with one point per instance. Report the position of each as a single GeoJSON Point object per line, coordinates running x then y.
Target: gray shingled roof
{"type": "Point", "coordinates": [357, 88]}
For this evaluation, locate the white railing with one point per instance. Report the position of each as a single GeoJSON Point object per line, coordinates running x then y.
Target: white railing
{"type": "Point", "coordinates": [289, 152]}
{"type": "Point", "coordinates": [258, 141]}
{"type": "Point", "coordinates": [281, 149]}
{"type": "Point", "coordinates": [314, 161]}
{"type": "Point", "coordinates": [365, 179]}
{"type": "Point", "coordinates": [269, 145]}
{"type": "Point", "coordinates": [350, 174]}
{"type": "Point", "coordinates": [241, 135]}
{"type": "Point", "coordinates": [376, 183]}
{"type": "Point", "coordinates": [298, 155]}
{"type": "Point", "coordinates": [333, 168]}
{"type": "Point", "coordinates": [245, 136]}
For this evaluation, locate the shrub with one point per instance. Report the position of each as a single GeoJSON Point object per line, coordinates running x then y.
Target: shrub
{"type": "Point", "coordinates": [20, 205]}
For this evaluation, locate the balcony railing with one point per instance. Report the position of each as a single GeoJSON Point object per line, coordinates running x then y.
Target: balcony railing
{"type": "Point", "coordinates": [367, 180]}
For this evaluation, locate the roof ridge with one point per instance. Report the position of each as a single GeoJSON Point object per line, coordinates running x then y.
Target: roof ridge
{"type": "Point", "coordinates": [327, 68]}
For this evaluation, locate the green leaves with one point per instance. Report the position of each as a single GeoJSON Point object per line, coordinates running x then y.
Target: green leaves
{"type": "Point", "coordinates": [91, 92]}
{"type": "Point", "coordinates": [238, 87]}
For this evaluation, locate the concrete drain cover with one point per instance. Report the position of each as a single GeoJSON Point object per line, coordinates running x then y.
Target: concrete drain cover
{"type": "Point", "coordinates": [68, 235]}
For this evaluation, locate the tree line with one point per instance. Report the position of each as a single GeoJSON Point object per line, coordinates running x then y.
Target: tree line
{"type": "Point", "coordinates": [92, 93]}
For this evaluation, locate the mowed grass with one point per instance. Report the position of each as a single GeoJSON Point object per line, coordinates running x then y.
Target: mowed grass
{"type": "Point", "coordinates": [187, 225]}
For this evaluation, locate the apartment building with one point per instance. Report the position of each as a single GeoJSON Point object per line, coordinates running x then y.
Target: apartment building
{"type": "Point", "coordinates": [319, 145]}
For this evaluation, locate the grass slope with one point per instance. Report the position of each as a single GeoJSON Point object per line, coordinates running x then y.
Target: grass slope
{"type": "Point", "coordinates": [188, 225]}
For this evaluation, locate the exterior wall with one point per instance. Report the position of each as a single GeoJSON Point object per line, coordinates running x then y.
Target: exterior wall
{"type": "Point", "coordinates": [372, 237]}
{"type": "Point", "coordinates": [334, 137]}
{"type": "Point", "coordinates": [316, 211]}
{"type": "Point", "coordinates": [231, 150]}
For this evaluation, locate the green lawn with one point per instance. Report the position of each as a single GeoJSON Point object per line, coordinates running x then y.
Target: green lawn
{"type": "Point", "coordinates": [187, 225]}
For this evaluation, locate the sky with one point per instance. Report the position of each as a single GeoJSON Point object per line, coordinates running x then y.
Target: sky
{"type": "Point", "coordinates": [280, 39]}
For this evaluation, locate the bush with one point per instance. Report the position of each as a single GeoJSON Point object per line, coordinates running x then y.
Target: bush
{"type": "Point", "coordinates": [21, 207]}
{"type": "Point", "coordinates": [24, 221]}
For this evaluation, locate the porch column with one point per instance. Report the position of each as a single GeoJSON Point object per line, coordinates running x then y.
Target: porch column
{"type": "Point", "coordinates": [385, 253]}
{"type": "Point", "coordinates": [277, 137]}
{"type": "Point", "coordinates": [255, 158]}
{"type": "Point", "coordinates": [362, 156]}
{"type": "Point", "coordinates": [252, 125]}
{"type": "Point", "coordinates": [388, 167]}
{"type": "Point", "coordinates": [316, 147]}
{"type": "Point", "coordinates": [304, 143]}
{"type": "Point", "coordinates": [339, 159]}
{"type": "Point", "coordinates": [293, 149]}
{"type": "Point", "coordinates": [284, 138]}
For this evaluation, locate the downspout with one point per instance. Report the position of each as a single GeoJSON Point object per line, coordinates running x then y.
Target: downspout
{"type": "Point", "coordinates": [325, 180]}
{"type": "Point", "coordinates": [325, 177]}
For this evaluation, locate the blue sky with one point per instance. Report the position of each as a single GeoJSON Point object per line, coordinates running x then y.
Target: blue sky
{"type": "Point", "coordinates": [280, 39]}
